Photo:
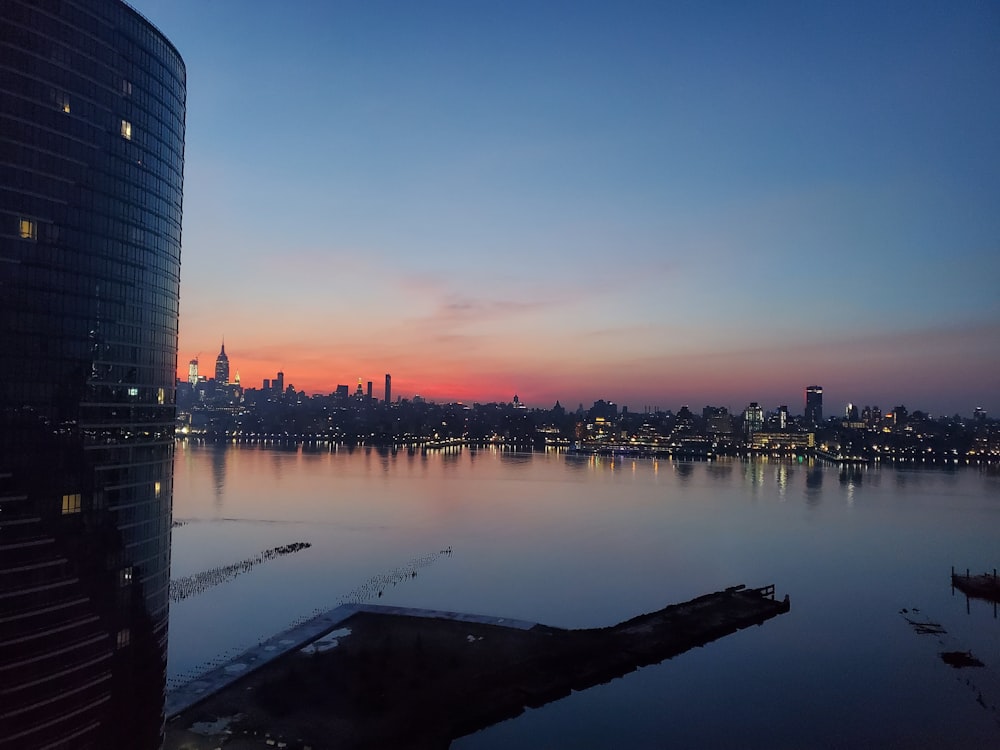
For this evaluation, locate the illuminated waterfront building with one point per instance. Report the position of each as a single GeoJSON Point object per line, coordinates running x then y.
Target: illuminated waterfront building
{"type": "Point", "coordinates": [92, 137]}
{"type": "Point", "coordinates": [753, 419]}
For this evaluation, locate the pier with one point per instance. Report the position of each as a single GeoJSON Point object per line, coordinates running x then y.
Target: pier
{"type": "Point", "coordinates": [985, 586]}
{"type": "Point", "coordinates": [418, 678]}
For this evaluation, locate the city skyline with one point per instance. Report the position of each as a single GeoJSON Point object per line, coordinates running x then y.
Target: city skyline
{"type": "Point", "coordinates": [653, 205]}
{"type": "Point", "coordinates": [809, 403]}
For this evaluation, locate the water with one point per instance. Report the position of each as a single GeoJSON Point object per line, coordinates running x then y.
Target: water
{"type": "Point", "coordinates": [578, 542]}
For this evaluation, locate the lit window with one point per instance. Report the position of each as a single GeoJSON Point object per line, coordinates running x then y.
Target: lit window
{"type": "Point", "coordinates": [125, 577]}
{"type": "Point", "coordinates": [156, 489]}
{"type": "Point", "coordinates": [123, 638]}
{"type": "Point", "coordinates": [28, 229]}
{"type": "Point", "coordinates": [161, 396]}
{"type": "Point", "coordinates": [71, 504]}
{"type": "Point", "coordinates": [126, 130]}
{"type": "Point", "coordinates": [126, 87]}
{"type": "Point", "coordinates": [133, 391]}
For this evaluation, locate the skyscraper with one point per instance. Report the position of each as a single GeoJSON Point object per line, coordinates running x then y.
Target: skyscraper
{"type": "Point", "coordinates": [222, 367]}
{"type": "Point", "coordinates": [388, 388]}
{"type": "Point", "coordinates": [92, 143]}
{"type": "Point", "coordinates": [814, 405]}
{"type": "Point", "coordinates": [753, 419]}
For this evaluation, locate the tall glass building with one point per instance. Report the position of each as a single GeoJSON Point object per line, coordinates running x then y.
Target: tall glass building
{"type": "Point", "coordinates": [92, 103]}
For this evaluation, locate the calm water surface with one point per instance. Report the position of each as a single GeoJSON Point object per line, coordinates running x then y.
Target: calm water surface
{"type": "Point", "coordinates": [587, 542]}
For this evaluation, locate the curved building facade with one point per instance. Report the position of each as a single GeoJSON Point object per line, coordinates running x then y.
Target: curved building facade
{"type": "Point", "coordinates": [92, 107]}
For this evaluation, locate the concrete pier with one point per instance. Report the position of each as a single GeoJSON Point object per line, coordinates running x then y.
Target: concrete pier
{"type": "Point", "coordinates": [420, 678]}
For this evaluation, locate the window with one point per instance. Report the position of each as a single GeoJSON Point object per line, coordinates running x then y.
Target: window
{"type": "Point", "coordinates": [125, 577]}
{"type": "Point", "coordinates": [28, 229]}
{"type": "Point", "coordinates": [71, 504]}
{"type": "Point", "coordinates": [126, 130]}
{"type": "Point", "coordinates": [123, 638]}
{"type": "Point", "coordinates": [126, 87]}
{"type": "Point", "coordinates": [62, 101]}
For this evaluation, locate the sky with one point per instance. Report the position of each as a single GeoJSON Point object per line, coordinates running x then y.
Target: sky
{"type": "Point", "coordinates": [656, 204]}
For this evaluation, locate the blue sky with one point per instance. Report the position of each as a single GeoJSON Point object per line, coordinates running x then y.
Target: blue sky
{"type": "Point", "coordinates": [654, 203]}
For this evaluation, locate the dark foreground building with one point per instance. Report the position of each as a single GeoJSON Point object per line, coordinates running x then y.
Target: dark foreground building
{"type": "Point", "coordinates": [92, 102]}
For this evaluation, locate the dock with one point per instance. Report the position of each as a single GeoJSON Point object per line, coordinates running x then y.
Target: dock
{"type": "Point", "coordinates": [985, 586]}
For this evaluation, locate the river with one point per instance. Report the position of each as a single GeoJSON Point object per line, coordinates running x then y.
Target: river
{"type": "Point", "coordinates": [582, 542]}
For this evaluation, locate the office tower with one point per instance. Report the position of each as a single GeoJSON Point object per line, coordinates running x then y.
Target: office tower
{"type": "Point", "coordinates": [782, 417]}
{"type": "Point", "coordinates": [222, 367]}
{"type": "Point", "coordinates": [369, 390]}
{"type": "Point", "coordinates": [279, 383]}
{"type": "Point", "coordinates": [388, 388]}
{"type": "Point", "coordinates": [92, 138]}
{"type": "Point", "coordinates": [193, 372]}
{"type": "Point", "coordinates": [814, 405]}
{"type": "Point", "coordinates": [267, 384]}
{"type": "Point", "coordinates": [717, 420]}
{"type": "Point", "coordinates": [753, 419]}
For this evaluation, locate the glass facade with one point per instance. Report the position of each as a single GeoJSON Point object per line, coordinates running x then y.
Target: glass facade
{"type": "Point", "coordinates": [92, 106]}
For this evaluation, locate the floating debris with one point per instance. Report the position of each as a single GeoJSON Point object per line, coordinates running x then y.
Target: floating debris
{"type": "Point", "coordinates": [926, 628]}
{"type": "Point", "coordinates": [960, 659]}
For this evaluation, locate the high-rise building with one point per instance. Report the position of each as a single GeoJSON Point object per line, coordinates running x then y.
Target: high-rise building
{"type": "Point", "coordinates": [92, 137]}
{"type": "Point", "coordinates": [753, 419]}
{"type": "Point", "coordinates": [222, 367]}
{"type": "Point", "coordinates": [369, 391]}
{"type": "Point", "coordinates": [193, 371]}
{"type": "Point", "coordinates": [814, 405]}
{"type": "Point", "coordinates": [279, 383]}
{"type": "Point", "coordinates": [388, 388]}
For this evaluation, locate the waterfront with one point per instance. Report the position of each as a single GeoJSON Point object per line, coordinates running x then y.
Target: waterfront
{"type": "Point", "coordinates": [582, 542]}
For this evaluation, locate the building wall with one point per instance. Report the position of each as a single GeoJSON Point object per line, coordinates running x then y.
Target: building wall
{"type": "Point", "coordinates": [92, 149]}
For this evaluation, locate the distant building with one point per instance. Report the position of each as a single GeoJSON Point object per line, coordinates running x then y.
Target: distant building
{"type": "Point", "coordinates": [782, 417]}
{"type": "Point", "coordinates": [753, 419]}
{"type": "Point", "coordinates": [193, 371]}
{"type": "Point", "coordinates": [814, 405]}
{"type": "Point", "coordinates": [717, 420]}
{"type": "Point", "coordinates": [222, 367]}
{"type": "Point", "coordinates": [279, 383]}
{"type": "Point", "coordinates": [369, 391]}
{"type": "Point", "coordinates": [783, 441]}
{"type": "Point", "coordinates": [267, 385]}
{"type": "Point", "coordinates": [388, 388]}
